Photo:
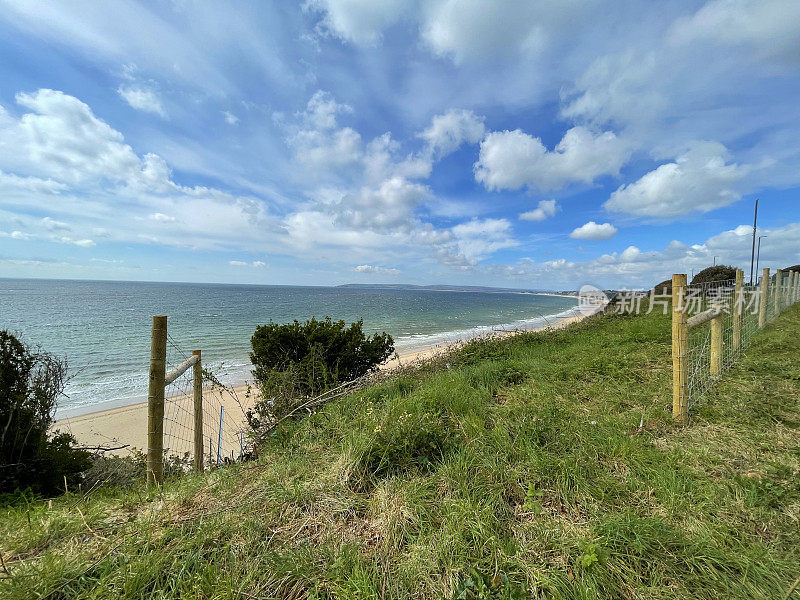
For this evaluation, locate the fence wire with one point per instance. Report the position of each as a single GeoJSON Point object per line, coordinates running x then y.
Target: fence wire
{"type": "Point", "coordinates": [722, 296]}
{"type": "Point", "coordinates": [225, 431]}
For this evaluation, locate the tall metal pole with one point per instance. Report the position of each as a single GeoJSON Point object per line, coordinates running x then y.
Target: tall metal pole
{"type": "Point", "coordinates": [753, 252]}
{"type": "Point", "coordinates": [758, 253]}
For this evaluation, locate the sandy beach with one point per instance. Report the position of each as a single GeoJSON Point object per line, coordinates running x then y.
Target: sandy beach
{"type": "Point", "coordinates": [127, 425]}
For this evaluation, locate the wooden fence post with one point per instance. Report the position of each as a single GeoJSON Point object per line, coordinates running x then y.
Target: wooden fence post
{"type": "Point", "coordinates": [197, 386]}
{"type": "Point", "coordinates": [797, 286]}
{"type": "Point", "coordinates": [716, 345]}
{"type": "Point", "coordinates": [790, 289]}
{"type": "Point", "coordinates": [155, 401]}
{"type": "Point", "coordinates": [680, 349]}
{"type": "Point", "coordinates": [738, 309]}
{"type": "Point", "coordinates": [762, 302]}
{"type": "Point", "coordinates": [777, 292]}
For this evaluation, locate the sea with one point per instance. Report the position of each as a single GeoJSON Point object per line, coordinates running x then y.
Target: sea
{"type": "Point", "coordinates": [102, 328]}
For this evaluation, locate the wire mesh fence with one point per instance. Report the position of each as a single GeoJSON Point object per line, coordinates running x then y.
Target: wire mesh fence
{"type": "Point", "coordinates": [223, 420]}
{"type": "Point", "coordinates": [718, 320]}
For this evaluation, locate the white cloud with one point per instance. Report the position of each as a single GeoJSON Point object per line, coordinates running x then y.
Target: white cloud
{"type": "Point", "coordinates": [230, 118]}
{"type": "Point", "coordinates": [360, 21]}
{"type": "Point", "coordinates": [513, 159]}
{"type": "Point", "coordinates": [162, 218]}
{"type": "Point", "coordinates": [634, 267]}
{"type": "Point", "coordinates": [594, 231]}
{"type": "Point", "coordinates": [63, 140]}
{"type": "Point", "coordinates": [10, 182]}
{"type": "Point", "coordinates": [367, 196]}
{"type": "Point", "coordinates": [322, 109]}
{"type": "Point", "coordinates": [465, 30]}
{"type": "Point", "coordinates": [375, 269]}
{"type": "Point", "coordinates": [84, 243]}
{"type": "Point", "coordinates": [699, 180]}
{"type": "Point", "coordinates": [385, 207]}
{"type": "Point", "coordinates": [448, 131]}
{"type": "Point", "coordinates": [327, 150]}
{"type": "Point", "coordinates": [767, 27]}
{"type": "Point", "coordinates": [142, 99]}
{"type": "Point", "coordinates": [53, 225]}
{"type": "Point", "coordinates": [318, 143]}
{"type": "Point", "coordinates": [104, 186]}
{"type": "Point", "coordinates": [473, 240]}
{"type": "Point", "coordinates": [621, 87]}
{"type": "Point", "coordinates": [242, 263]}
{"type": "Point", "coordinates": [16, 235]}
{"type": "Point", "coordinates": [545, 210]}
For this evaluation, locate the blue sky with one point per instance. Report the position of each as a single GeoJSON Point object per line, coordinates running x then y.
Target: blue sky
{"type": "Point", "coordinates": [536, 144]}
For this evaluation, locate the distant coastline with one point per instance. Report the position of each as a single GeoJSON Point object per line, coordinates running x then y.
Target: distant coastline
{"type": "Point", "coordinates": [456, 288]}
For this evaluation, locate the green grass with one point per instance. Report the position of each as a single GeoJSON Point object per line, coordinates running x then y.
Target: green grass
{"type": "Point", "coordinates": [513, 464]}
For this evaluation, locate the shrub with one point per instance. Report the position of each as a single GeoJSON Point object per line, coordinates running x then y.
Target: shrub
{"type": "Point", "coordinates": [30, 384]}
{"type": "Point", "coordinates": [298, 360]}
{"type": "Point", "coordinates": [665, 287]}
{"type": "Point", "coordinates": [716, 273]}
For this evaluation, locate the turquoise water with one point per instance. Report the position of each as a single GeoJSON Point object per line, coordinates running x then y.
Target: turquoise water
{"type": "Point", "coordinates": [103, 328]}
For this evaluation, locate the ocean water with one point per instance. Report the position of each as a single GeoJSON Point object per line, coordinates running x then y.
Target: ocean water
{"type": "Point", "coordinates": [103, 328]}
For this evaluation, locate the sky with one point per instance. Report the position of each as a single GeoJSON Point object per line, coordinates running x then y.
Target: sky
{"type": "Point", "coordinates": [528, 144]}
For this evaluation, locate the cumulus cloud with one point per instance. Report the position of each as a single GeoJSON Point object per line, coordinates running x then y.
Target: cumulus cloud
{"type": "Point", "coordinates": [448, 131]}
{"type": "Point", "coordinates": [385, 207]}
{"type": "Point", "coordinates": [60, 146]}
{"type": "Point", "coordinates": [143, 99]}
{"type": "Point", "coordinates": [699, 180]}
{"type": "Point", "coordinates": [374, 201]}
{"type": "Point", "coordinates": [460, 29]}
{"type": "Point", "coordinates": [545, 210]}
{"type": "Point", "coordinates": [634, 267]}
{"type": "Point", "coordinates": [62, 139]}
{"type": "Point", "coordinates": [318, 143]}
{"type": "Point", "coordinates": [473, 240]}
{"type": "Point", "coordinates": [375, 269]}
{"type": "Point", "coordinates": [230, 118]}
{"type": "Point", "coordinates": [594, 231]}
{"type": "Point", "coordinates": [513, 159]}
{"type": "Point", "coordinates": [360, 21]}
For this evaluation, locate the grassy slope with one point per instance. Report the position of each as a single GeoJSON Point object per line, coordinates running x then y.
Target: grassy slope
{"type": "Point", "coordinates": [521, 457]}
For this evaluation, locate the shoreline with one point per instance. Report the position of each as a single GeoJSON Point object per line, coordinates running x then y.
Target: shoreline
{"type": "Point", "coordinates": [127, 424]}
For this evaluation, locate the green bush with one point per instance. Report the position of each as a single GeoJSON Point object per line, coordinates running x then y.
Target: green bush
{"type": "Point", "coordinates": [297, 360]}
{"type": "Point", "coordinates": [716, 273]}
{"type": "Point", "coordinates": [665, 287]}
{"type": "Point", "coordinates": [30, 383]}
